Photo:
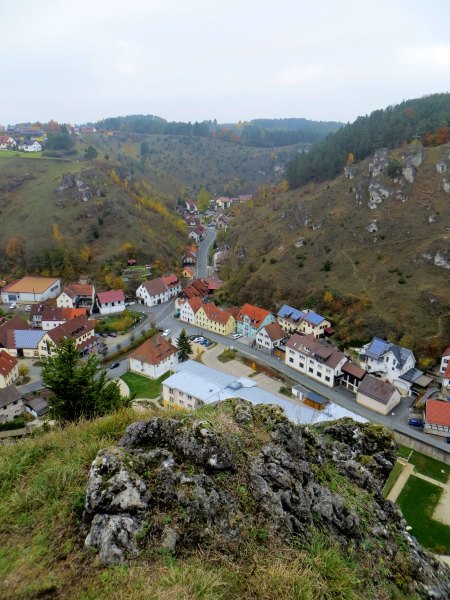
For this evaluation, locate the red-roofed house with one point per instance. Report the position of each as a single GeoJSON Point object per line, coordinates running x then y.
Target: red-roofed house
{"type": "Point", "coordinates": [251, 318]}
{"type": "Point", "coordinates": [49, 317]}
{"type": "Point", "coordinates": [437, 417]}
{"type": "Point", "coordinates": [9, 369]}
{"type": "Point", "coordinates": [154, 357]}
{"type": "Point", "coordinates": [110, 302]}
{"type": "Point", "coordinates": [173, 284]}
{"type": "Point", "coordinates": [188, 309]}
{"type": "Point", "coordinates": [81, 329]}
{"type": "Point", "coordinates": [269, 337]}
{"type": "Point", "coordinates": [188, 272]}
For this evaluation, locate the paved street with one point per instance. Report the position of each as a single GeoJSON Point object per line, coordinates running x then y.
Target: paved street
{"type": "Point", "coordinates": [202, 255]}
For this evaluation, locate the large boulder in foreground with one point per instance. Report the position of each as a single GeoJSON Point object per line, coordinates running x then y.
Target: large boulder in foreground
{"type": "Point", "coordinates": [232, 473]}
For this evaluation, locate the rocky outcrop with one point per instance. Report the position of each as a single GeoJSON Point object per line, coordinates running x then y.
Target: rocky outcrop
{"type": "Point", "coordinates": [179, 484]}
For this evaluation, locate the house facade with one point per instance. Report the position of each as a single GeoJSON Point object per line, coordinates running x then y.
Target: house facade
{"type": "Point", "coordinates": [352, 375]}
{"type": "Point", "coordinates": [316, 359]}
{"type": "Point", "coordinates": [304, 321]}
{"type": "Point", "coordinates": [389, 360]}
{"type": "Point", "coordinates": [110, 302]}
{"type": "Point", "coordinates": [437, 418]}
{"type": "Point", "coordinates": [9, 369]}
{"type": "Point", "coordinates": [77, 295]}
{"type": "Point", "coordinates": [80, 329]}
{"type": "Point", "coordinates": [10, 404]}
{"type": "Point", "coordinates": [31, 290]}
{"type": "Point", "coordinates": [49, 317]}
{"type": "Point", "coordinates": [153, 358]}
{"type": "Point", "coordinates": [158, 291]}
{"type": "Point", "coordinates": [377, 395]}
{"type": "Point", "coordinates": [269, 337]}
{"type": "Point", "coordinates": [212, 318]}
{"type": "Point", "coordinates": [188, 309]}
{"type": "Point", "coordinates": [251, 318]}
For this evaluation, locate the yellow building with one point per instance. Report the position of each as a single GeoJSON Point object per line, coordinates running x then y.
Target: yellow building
{"type": "Point", "coordinates": [211, 317]}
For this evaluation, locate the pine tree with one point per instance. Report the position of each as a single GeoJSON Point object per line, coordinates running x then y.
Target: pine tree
{"type": "Point", "coordinates": [79, 389]}
{"type": "Point", "coordinates": [184, 346]}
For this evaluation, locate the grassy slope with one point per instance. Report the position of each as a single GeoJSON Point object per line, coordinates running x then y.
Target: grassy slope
{"type": "Point", "coordinates": [30, 211]}
{"type": "Point", "coordinates": [41, 541]}
{"type": "Point", "coordinates": [268, 231]}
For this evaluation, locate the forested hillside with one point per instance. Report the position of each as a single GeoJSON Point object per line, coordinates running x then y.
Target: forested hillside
{"type": "Point", "coordinates": [425, 119]}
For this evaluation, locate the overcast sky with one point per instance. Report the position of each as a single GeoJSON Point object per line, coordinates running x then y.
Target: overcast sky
{"type": "Point", "coordinates": [82, 60]}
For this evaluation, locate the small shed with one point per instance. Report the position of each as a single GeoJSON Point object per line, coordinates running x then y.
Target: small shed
{"type": "Point", "coordinates": [37, 407]}
{"type": "Point", "coordinates": [309, 397]}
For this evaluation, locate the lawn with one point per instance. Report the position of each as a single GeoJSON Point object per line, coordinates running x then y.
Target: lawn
{"type": "Point", "coordinates": [425, 465]}
{"type": "Point", "coordinates": [121, 322]}
{"type": "Point", "coordinates": [394, 475]}
{"type": "Point", "coordinates": [144, 387]}
{"type": "Point", "coordinates": [418, 500]}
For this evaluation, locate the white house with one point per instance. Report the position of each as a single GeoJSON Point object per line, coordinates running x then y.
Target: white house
{"type": "Point", "coordinates": [31, 289]}
{"type": "Point", "coordinates": [10, 404]}
{"type": "Point", "coordinates": [269, 337]}
{"type": "Point", "coordinates": [77, 295]}
{"type": "Point", "coordinates": [394, 363]}
{"type": "Point", "coordinates": [316, 359]}
{"type": "Point", "coordinates": [9, 369]}
{"type": "Point", "coordinates": [110, 302]}
{"type": "Point", "coordinates": [445, 361]}
{"type": "Point", "coordinates": [32, 146]}
{"type": "Point", "coordinates": [188, 310]}
{"type": "Point", "coordinates": [304, 321]}
{"type": "Point", "coordinates": [154, 357]}
{"type": "Point", "coordinates": [158, 291]}
{"type": "Point", "coordinates": [378, 395]}
{"type": "Point", "coordinates": [437, 418]}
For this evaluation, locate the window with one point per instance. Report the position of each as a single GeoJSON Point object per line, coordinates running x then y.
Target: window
{"type": "Point", "coordinates": [327, 378]}
{"type": "Point", "coordinates": [311, 370]}
{"type": "Point", "coordinates": [302, 365]}
{"type": "Point", "coordinates": [291, 360]}
{"type": "Point", "coordinates": [319, 374]}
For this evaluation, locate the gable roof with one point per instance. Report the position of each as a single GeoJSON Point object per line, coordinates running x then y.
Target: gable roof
{"type": "Point", "coordinates": [377, 348]}
{"type": "Point", "coordinates": [274, 331]}
{"type": "Point", "coordinates": [307, 344]}
{"type": "Point", "coordinates": [79, 289]}
{"type": "Point", "coordinates": [170, 280]}
{"type": "Point", "coordinates": [54, 313]}
{"type": "Point", "coordinates": [197, 288]}
{"type": "Point", "coordinates": [7, 331]}
{"type": "Point", "coordinates": [376, 388]}
{"type": "Point", "coordinates": [437, 412]}
{"type": "Point", "coordinates": [254, 313]}
{"type": "Point", "coordinates": [111, 296]}
{"type": "Point", "coordinates": [31, 285]}
{"type": "Point", "coordinates": [214, 313]}
{"type": "Point", "coordinates": [154, 350]}
{"type": "Point", "coordinates": [288, 312]}
{"type": "Point", "coordinates": [27, 339]}
{"type": "Point", "coordinates": [353, 370]}
{"type": "Point", "coordinates": [74, 328]}
{"type": "Point", "coordinates": [8, 395]}
{"type": "Point", "coordinates": [7, 363]}
{"type": "Point", "coordinates": [195, 303]}
{"type": "Point", "coordinates": [39, 405]}
{"type": "Point", "coordinates": [155, 287]}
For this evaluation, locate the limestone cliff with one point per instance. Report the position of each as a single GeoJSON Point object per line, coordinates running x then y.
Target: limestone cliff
{"type": "Point", "coordinates": [233, 475]}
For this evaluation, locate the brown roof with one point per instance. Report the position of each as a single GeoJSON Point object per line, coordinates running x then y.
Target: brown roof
{"type": "Point", "coordinates": [195, 303]}
{"type": "Point", "coordinates": [79, 289]}
{"type": "Point", "coordinates": [308, 344]}
{"type": "Point", "coordinates": [38, 285]}
{"type": "Point", "coordinates": [376, 388]}
{"type": "Point", "coordinates": [155, 287]}
{"type": "Point", "coordinates": [214, 313]}
{"type": "Point", "coordinates": [353, 369]}
{"type": "Point", "coordinates": [274, 331]}
{"type": "Point", "coordinates": [170, 280]}
{"type": "Point", "coordinates": [7, 363]}
{"type": "Point", "coordinates": [154, 350]}
{"type": "Point", "coordinates": [447, 352]}
{"type": "Point", "coordinates": [254, 313]}
{"type": "Point", "coordinates": [438, 412]}
{"type": "Point", "coordinates": [198, 287]}
{"type": "Point", "coordinates": [74, 328]}
{"type": "Point", "coordinates": [54, 313]}
{"type": "Point", "coordinates": [10, 326]}
{"type": "Point", "coordinates": [8, 395]}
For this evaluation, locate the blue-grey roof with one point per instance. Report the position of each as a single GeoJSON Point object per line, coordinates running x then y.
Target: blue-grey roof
{"type": "Point", "coordinates": [377, 348]}
{"type": "Point", "coordinates": [311, 395]}
{"type": "Point", "coordinates": [210, 385]}
{"type": "Point", "coordinates": [287, 312]}
{"type": "Point", "coordinates": [401, 354]}
{"type": "Point", "coordinates": [313, 318]}
{"type": "Point", "coordinates": [28, 338]}
{"type": "Point", "coordinates": [412, 375]}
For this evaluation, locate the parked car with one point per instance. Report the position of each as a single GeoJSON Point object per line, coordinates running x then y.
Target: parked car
{"type": "Point", "coordinates": [113, 334]}
{"type": "Point", "coordinates": [104, 335]}
{"type": "Point", "coordinates": [115, 365]}
{"type": "Point", "coordinates": [166, 332]}
{"type": "Point", "coordinates": [13, 305]}
{"type": "Point", "coordinates": [416, 422]}
{"type": "Point", "coordinates": [236, 335]}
